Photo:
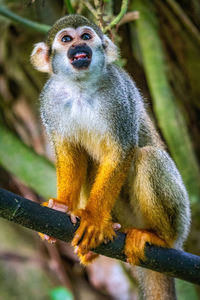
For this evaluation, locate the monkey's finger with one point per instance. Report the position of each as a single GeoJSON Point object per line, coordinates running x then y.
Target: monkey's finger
{"type": "Point", "coordinates": [73, 218]}
{"type": "Point", "coordinates": [51, 203]}
{"type": "Point", "coordinates": [76, 249]}
{"type": "Point", "coordinates": [82, 249]}
{"type": "Point", "coordinates": [116, 226]}
{"type": "Point", "coordinates": [49, 239]}
{"type": "Point", "coordinates": [92, 239]}
{"type": "Point", "coordinates": [85, 245]}
{"type": "Point", "coordinates": [79, 234]}
{"type": "Point", "coordinates": [106, 241]}
{"type": "Point", "coordinates": [94, 242]}
{"type": "Point", "coordinates": [100, 237]}
{"type": "Point", "coordinates": [132, 260]}
{"type": "Point", "coordinates": [58, 206]}
{"type": "Point", "coordinates": [110, 234]}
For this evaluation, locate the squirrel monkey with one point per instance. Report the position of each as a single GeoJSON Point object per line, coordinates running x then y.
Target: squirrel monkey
{"type": "Point", "coordinates": [111, 165]}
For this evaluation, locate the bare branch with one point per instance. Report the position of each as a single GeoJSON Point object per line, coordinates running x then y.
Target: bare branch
{"type": "Point", "coordinates": [116, 20]}
{"type": "Point", "coordinates": [29, 214]}
{"type": "Point", "coordinates": [99, 5]}
{"type": "Point", "coordinates": [129, 17]}
{"type": "Point", "coordinates": [33, 25]}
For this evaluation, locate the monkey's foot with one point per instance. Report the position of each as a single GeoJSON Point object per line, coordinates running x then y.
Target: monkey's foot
{"type": "Point", "coordinates": [91, 233]}
{"type": "Point", "coordinates": [135, 244]}
{"type": "Point", "coordinates": [54, 204]}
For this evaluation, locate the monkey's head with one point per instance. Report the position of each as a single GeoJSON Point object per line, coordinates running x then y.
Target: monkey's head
{"type": "Point", "coordinates": [74, 47]}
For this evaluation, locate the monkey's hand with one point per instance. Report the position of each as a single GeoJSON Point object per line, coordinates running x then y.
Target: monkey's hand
{"type": "Point", "coordinates": [93, 230]}
{"type": "Point", "coordinates": [54, 204]}
{"type": "Point", "coordinates": [135, 244]}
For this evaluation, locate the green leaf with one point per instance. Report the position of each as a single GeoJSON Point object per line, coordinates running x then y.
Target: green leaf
{"type": "Point", "coordinates": [61, 293]}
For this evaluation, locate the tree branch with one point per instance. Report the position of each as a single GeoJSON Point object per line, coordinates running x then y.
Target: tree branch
{"type": "Point", "coordinates": [116, 20]}
{"type": "Point", "coordinates": [43, 28]}
{"type": "Point", "coordinates": [29, 214]}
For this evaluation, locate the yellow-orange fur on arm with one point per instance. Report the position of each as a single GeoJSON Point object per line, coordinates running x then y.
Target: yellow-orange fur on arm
{"type": "Point", "coordinates": [96, 224]}
{"type": "Point", "coordinates": [71, 165]}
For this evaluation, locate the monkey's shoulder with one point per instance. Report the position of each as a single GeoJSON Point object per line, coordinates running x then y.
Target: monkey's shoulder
{"type": "Point", "coordinates": [118, 77]}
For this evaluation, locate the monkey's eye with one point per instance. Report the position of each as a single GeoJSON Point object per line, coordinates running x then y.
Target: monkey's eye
{"type": "Point", "coordinates": [86, 36]}
{"type": "Point", "coordinates": [66, 39]}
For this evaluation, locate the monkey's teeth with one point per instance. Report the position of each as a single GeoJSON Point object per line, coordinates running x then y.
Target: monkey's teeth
{"type": "Point", "coordinates": [80, 56]}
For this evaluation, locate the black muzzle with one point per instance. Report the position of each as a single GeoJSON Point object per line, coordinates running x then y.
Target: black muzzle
{"type": "Point", "coordinates": [80, 56]}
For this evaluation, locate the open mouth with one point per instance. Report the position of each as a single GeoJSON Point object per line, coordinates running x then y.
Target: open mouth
{"type": "Point", "coordinates": [80, 56]}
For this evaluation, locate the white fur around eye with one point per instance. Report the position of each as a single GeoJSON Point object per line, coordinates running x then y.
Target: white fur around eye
{"type": "Point", "coordinates": [111, 49]}
{"type": "Point", "coordinates": [75, 32]}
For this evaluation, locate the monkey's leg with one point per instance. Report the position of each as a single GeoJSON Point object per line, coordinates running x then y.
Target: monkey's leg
{"type": "Point", "coordinates": [162, 203]}
{"type": "Point", "coordinates": [96, 223]}
{"type": "Point", "coordinates": [71, 164]}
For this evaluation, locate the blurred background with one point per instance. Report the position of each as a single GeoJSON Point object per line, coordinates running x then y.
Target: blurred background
{"type": "Point", "coordinates": [159, 41]}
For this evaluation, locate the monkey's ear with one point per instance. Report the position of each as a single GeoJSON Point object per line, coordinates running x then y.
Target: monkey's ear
{"type": "Point", "coordinates": [40, 58]}
{"type": "Point", "coordinates": [110, 49]}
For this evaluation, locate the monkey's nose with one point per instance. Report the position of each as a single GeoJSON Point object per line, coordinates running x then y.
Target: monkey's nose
{"type": "Point", "coordinates": [74, 45]}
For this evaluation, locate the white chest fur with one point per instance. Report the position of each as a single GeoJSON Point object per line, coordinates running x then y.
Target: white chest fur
{"type": "Point", "coordinates": [71, 111]}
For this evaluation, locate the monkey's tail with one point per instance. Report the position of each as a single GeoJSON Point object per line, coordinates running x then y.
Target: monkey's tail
{"type": "Point", "coordinates": [155, 286]}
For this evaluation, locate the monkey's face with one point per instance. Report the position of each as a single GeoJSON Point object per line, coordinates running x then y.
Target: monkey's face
{"type": "Point", "coordinates": [77, 45]}
{"type": "Point", "coordinates": [75, 53]}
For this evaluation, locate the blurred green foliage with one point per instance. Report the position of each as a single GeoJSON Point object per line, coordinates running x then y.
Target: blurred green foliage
{"type": "Point", "coordinates": [61, 293]}
{"type": "Point", "coordinates": [160, 51]}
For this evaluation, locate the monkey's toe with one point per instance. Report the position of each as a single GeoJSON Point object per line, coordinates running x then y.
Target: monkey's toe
{"type": "Point", "coordinates": [135, 244]}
